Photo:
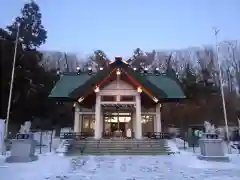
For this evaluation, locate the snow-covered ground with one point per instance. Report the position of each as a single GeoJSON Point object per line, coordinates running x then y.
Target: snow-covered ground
{"type": "Point", "coordinates": [181, 166]}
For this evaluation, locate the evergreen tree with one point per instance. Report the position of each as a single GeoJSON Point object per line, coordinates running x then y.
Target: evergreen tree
{"type": "Point", "coordinates": [32, 32]}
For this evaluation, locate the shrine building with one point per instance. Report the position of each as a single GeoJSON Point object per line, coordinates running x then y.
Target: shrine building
{"type": "Point", "coordinates": [117, 99]}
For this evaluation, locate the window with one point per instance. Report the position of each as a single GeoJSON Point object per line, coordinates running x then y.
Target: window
{"type": "Point", "coordinates": [115, 119]}
{"type": "Point", "coordinates": [127, 98]}
{"type": "Point", "coordinates": [147, 123]}
{"type": "Point", "coordinates": [88, 124]}
{"type": "Point", "coordinates": [117, 114]}
{"type": "Point", "coordinates": [108, 98]}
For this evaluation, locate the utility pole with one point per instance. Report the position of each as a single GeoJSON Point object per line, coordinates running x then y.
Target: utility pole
{"type": "Point", "coordinates": [216, 31]}
{"type": "Point", "coordinates": [11, 85]}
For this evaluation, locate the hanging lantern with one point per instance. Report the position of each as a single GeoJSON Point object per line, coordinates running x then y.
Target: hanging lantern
{"type": "Point", "coordinates": [139, 89]}
{"type": "Point", "coordinates": [118, 72]}
{"type": "Point", "coordinates": [96, 90]}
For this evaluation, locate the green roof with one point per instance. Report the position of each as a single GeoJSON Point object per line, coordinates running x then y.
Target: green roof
{"type": "Point", "coordinates": [73, 85]}
{"type": "Point", "coordinates": [67, 84]}
{"type": "Point", "coordinates": [90, 83]}
{"type": "Point", "coordinates": [162, 86]}
{"type": "Point", "coordinates": [170, 86]}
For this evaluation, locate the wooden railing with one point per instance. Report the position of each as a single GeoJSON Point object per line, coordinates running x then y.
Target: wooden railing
{"type": "Point", "coordinates": [158, 135]}
{"type": "Point", "coordinates": [84, 135]}
{"type": "Point", "coordinates": [73, 135]}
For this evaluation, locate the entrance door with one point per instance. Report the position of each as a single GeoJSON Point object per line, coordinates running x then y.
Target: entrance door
{"type": "Point", "coordinates": [117, 121]}
{"type": "Point", "coordinates": [122, 127]}
{"type": "Point", "coordinates": [114, 126]}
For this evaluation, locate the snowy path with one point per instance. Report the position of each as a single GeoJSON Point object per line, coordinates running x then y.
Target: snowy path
{"type": "Point", "coordinates": [183, 166]}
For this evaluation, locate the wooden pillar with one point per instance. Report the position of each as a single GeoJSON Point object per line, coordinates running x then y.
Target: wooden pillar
{"type": "Point", "coordinates": [76, 118]}
{"type": "Point", "coordinates": [134, 123]}
{"type": "Point", "coordinates": [80, 122]}
{"type": "Point", "coordinates": [138, 131]}
{"type": "Point", "coordinates": [158, 123]}
{"type": "Point", "coordinates": [97, 133]}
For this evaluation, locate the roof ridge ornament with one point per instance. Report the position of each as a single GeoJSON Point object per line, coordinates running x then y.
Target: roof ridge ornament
{"type": "Point", "coordinates": [96, 90]}
{"type": "Point", "coordinates": [118, 60]}
{"type": "Point", "coordinates": [118, 72]}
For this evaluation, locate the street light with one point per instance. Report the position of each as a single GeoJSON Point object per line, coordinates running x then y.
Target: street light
{"type": "Point", "coordinates": [216, 31]}
{"type": "Point", "coordinates": [11, 85]}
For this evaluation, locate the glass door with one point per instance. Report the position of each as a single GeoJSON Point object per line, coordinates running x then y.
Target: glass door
{"type": "Point", "coordinates": [117, 121]}
{"type": "Point", "coordinates": [88, 124]}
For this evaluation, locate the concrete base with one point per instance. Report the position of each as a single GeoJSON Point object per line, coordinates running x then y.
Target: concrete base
{"type": "Point", "coordinates": [214, 158]}
{"type": "Point", "coordinates": [23, 150]}
{"type": "Point", "coordinates": [212, 148]}
{"type": "Point", "coordinates": [20, 159]}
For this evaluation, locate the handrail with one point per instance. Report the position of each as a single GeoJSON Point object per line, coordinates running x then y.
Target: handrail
{"type": "Point", "coordinates": [158, 135]}
{"type": "Point", "coordinates": [84, 135]}
{"type": "Point", "coordinates": [74, 135]}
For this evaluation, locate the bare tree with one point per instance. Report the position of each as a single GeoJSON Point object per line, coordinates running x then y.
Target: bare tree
{"type": "Point", "coordinates": [160, 61]}
{"type": "Point", "coordinates": [229, 53]}
{"type": "Point", "coordinates": [60, 60]}
{"type": "Point", "coordinates": [206, 59]}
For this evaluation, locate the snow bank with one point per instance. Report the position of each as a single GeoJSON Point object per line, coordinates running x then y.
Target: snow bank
{"type": "Point", "coordinates": [180, 143]}
{"type": "Point", "coordinates": [173, 146]}
{"type": "Point", "coordinates": [48, 165]}
{"type": "Point", "coordinates": [181, 166]}
{"type": "Point", "coordinates": [46, 137]}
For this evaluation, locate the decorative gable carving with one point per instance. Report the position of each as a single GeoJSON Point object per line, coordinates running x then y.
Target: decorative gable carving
{"type": "Point", "coordinates": [122, 85]}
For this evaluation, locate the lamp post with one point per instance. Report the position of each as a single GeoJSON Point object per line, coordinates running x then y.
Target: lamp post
{"type": "Point", "coordinates": [216, 31]}
{"type": "Point", "coordinates": [11, 83]}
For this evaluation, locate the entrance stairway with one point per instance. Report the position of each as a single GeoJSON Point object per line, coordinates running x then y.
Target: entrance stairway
{"type": "Point", "coordinates": [117, 146]}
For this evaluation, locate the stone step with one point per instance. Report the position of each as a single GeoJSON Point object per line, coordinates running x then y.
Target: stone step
{"type": "Point", "coordinates": [114, 144]}
{"type": "Point", "coordinates": [133, 141]}
{"type": "Point", "coordinates": [124, 149]}
{"type": "Point", "coordinates": [122, 153]}
{"type": "Point", "coordinates": [129, 142]}
{"type": "Point", "coordinates": [151, 143]}
{"type": "Point", "coordinates": [121, 150]}
{"type": "Point", "coordinates": [122, 146]}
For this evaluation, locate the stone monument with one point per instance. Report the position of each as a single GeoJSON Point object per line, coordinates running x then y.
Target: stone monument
{"type": "Point", "coordinates": [24, 129]}
{"type": "Point", "coordinates": [23, 146]}
{"type": "Point", "coordinates": [2, 127]}
{"type": "Point", "coordinates": [207, 126]}
{"type": "Point", "coordinates": [211, 146]}
{"type": "Point", "coordinates": [239, 126]}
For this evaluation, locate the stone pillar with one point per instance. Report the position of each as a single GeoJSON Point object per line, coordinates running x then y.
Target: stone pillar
{"type": "Point", "coordinates": [239, 126]}
{"type": "Point", "coordinates": [101, 122]}
{"type": "Point", "coordinates": [155, 123]}
{"type": "Point", "coordinates": [97, 133]}
{"type": "Point", "coordinates": [158, 123]}
{"type": "Point", "coordinates": [76, 118]}
{"type": "Point", "coordinates": [80, 122]}
{"type": "Point", "coordinates": [134, 123]}
{"type": "Point", "coordinates": [138, 122]}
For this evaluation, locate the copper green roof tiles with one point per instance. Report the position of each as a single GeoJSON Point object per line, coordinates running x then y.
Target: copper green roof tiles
{"type": "Point", "coordinates": [73, 86]}
{"type": "Point", "coordinates": [168, 85]}
{"type": "Point", "coordinates": [67, 84]}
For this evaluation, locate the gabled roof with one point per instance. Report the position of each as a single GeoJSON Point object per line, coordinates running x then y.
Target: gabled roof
{"type": "Point", "coordinates": [167, 84]}
{"type": "Point", "coordinates": [68, 83]}
{"type": "Point", "coordinates": [73, 86]}
{"type": "Point", "coordinates": [162, 86]}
